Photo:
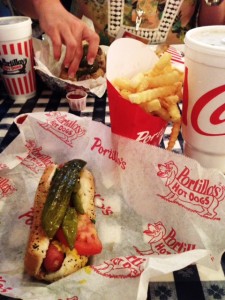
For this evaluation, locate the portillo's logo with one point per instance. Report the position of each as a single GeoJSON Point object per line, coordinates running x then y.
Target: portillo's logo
{"type": "Point", "coordinates": [63, 128]}
{"type": "Point", "coordinates": [161, 242]}
{"type": "Point", "coordinates": [197, 196]}
{"type": "Point", "coordinates": [35, 160]}
{"type": "Point", "coordinates": [14, 66]}
{"type": "Point", "coordinates": [6, 187]}
{"type": "Point", "coordinates": [146, 137]}
{"type": "Point", "coordinates": [121, 267]}
{"type": "Point", "coordinates": [109, 153]}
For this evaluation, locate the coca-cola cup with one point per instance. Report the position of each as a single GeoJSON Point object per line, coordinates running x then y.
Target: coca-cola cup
{"type": "Point", "coordinates": [203, 125]}
{"type": "Point", "coordinates": [16, 57]}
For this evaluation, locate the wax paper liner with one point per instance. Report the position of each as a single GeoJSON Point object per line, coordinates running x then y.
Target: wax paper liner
{"type": "Point", "coordinates": [157, 211]}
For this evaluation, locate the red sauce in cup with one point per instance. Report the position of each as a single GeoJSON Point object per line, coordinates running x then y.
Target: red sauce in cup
{"type": "Point", "coordinates": [73, 96]}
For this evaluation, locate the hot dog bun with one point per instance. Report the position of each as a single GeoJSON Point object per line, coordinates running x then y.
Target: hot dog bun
{"type": "Point", "coordinates": [39, 242]}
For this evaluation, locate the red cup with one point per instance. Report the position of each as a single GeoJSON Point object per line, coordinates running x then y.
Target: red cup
{"type": "Point", "coordinates": [16, 57]}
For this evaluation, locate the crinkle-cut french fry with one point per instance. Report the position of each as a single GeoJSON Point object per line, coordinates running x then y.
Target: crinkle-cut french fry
{"type": "Point", "coordinates": [151, 106]}
{"type": "Point", "coordinates": [136, 80]}
{"type": "Point", "coordinates": [123, 84]}
{"type": "Point", "coordinates": [169, 68]}
{"type": "Point", "coordinates": [125, 94]}
{"type": "Point", "coordinates": [181, 75]}
{"type": "Point", "coordinates": [173, 99]}
{"type": "Point", "coordinates": [164, 103]}
{"type": "Point", "coordinates": [163, 61]}
{"type": "Point", "coordinates": [152, 94]}
{"type": "Point", "coordinates": [174, 113]}
{"type": "Point", "coordinates": [174, 135]}
{"type": "Point", "coordinates": [161, 48]}
{"type": "Point", "coordinates": [170, 104]}
{"type": "Point", "coordinates": [179, 91]}
{"type": "Point", "coordinates": [143, 85]}
{"type": "Point", "coordinates": [162, 113]}
{"type": "Point", "coordinates": [164, 79]}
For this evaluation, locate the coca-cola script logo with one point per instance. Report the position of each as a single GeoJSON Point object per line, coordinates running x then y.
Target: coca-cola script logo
{"type": "Point", "coordinates": [121, 267]}
{"type": "Point", "coordinates": [6, 187]}
{"type": "Point", "coordinates": [63, 128]}
{"type": "Point", "coordinates": [216, 119]}
{"type": "Point", "coordinates": [207, 114]}
{"type": "Point", "coordinates": [35, 160]}
{"type": "Point", "coordinates": [162, 243]}
{"type": "Point", "coordinates": [196, 195]}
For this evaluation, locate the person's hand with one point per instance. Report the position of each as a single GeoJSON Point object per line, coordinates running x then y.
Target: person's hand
{"type": "Point", "coordinates": [64, 28]}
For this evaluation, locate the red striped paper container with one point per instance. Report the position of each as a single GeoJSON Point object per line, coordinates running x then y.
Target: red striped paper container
{"type": "Point", "coordinates": [16, 57]}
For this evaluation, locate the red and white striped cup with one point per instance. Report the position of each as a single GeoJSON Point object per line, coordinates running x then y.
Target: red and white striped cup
{"type": "Point", "coordinates": [16, 57]}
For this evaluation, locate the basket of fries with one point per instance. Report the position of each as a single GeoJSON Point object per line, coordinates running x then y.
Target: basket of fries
{"type": "Point", "coordinates": [144, 91]}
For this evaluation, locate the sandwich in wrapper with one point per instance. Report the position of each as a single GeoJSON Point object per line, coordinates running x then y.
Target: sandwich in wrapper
{"type": "Point", "coordinates": [63, 234]}
{"type": "Point", "coordinates": [86, 71]}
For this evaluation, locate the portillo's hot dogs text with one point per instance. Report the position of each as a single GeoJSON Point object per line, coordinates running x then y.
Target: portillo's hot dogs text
{"type": "Point", "coordinates": [110, 153]}
{"type": "Point", "coordinates": [197, 195]}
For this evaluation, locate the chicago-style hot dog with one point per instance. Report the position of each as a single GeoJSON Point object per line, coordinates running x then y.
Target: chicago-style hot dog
{"type": "Point", "coordinates": [63, 233]}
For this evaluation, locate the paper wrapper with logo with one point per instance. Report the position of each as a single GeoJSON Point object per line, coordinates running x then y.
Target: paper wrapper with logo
{"type": "Point", "coordinates": [126, 58]}
{"type": "Point", "coordinates": [157, 211]}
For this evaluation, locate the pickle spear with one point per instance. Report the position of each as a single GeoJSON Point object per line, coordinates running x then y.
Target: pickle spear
{"type": "Point", "coordinates": [83, 194]}
{"type": "Point", "coordinates": [69, 226]}
{"type": "Point", "coordinates": [59, 195]}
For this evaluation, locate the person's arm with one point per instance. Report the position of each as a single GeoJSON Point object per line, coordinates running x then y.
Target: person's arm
{"type": "Point", "coordinates": [211, 15]}
{"type": "Point", "coordinates": [63, 28]}
{"type": "Point", "coordinates": [25, 7]}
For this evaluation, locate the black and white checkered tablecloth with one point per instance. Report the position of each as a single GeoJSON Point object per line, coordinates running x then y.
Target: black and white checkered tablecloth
{"type": "Point", "coordinates": [97, 109]}
{"type": "Point", "coordinates": [191, 283]}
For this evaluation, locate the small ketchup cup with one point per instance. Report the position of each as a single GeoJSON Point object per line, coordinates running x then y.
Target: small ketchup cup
{"type": "Point", "coordinates": [77, 99]}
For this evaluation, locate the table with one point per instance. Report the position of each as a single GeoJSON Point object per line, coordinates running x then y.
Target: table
{"type": "Point", "coordinates": [191, 283]}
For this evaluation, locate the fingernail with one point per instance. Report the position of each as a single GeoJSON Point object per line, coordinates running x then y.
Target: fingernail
{"type": "Point", "coordinates": [71, 76]}
{"type": "Point", "coordinates": [91, 61]}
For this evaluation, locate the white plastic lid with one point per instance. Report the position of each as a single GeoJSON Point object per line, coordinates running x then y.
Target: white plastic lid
{"type": "Point", "coordinates": [15, 28]}
{"type": "Point", "coordinates": [207, 39]}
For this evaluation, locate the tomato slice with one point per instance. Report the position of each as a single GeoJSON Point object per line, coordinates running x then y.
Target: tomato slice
{"type": "Point", "coordinates": [60, 236]}
{"type": "Point", "coordinates": [87, 241]}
